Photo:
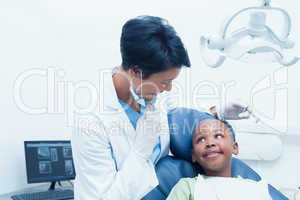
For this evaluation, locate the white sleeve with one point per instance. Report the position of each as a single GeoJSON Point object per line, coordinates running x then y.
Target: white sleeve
{"type": "Point", "coordinates": [97, 176]}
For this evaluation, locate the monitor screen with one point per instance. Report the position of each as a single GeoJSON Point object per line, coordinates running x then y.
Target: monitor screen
{"type": "Point", "coordinates": [49, 161]}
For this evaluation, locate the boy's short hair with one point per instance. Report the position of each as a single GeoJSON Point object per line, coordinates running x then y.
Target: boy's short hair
{"type": "Point", "coordinates": [232, 132]}
{"type": "Point", "coordinates": [211, 117]}
{"type": "Point", "coordinates": [151, 45]}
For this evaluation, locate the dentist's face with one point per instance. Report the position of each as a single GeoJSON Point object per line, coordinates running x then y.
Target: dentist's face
{"type": "Point", "coordinates": [213, 147]}
{"type": "Point", "coordinates": [156, 83]}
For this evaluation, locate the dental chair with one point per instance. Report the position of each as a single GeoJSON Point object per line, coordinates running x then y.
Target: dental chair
{"type": "Point", "coordinates": [172, 168]}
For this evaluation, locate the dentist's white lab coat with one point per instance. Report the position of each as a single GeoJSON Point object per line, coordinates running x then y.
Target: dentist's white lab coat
{"type": "Point", "coordinates": [106, 167]}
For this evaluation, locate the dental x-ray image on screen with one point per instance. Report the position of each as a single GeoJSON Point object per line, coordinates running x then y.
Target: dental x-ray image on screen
{"type": "Point", "coordinates": [67, 152]}
{"type": "Point", "coordinates": [69, 167]}
{"type": "Point", "coordinates": [45, 167]}
{"type": "Point", "coordinates": [54, 156]}
{"type": "Point", "coordinates": [43, 153]}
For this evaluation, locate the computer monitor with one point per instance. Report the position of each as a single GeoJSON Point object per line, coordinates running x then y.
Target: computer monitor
{"type": "Point", "coordinates": [49, 161]}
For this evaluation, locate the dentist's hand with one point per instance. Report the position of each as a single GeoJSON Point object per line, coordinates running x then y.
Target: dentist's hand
{"type": "Point", "coordinates": [147, 132]}
{"type": "Point", "coordinates": [231, 111]}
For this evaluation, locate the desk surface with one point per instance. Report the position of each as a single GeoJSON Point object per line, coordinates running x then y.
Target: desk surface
{"type": "Point", "coordinates": [40, 188]}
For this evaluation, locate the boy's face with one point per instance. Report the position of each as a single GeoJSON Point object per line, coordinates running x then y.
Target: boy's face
{"type": "Point", "coordinates": [213, 147]}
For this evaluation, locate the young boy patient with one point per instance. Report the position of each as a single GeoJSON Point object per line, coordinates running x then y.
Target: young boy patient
{"type": "Point", "coordinates": [213, 146]}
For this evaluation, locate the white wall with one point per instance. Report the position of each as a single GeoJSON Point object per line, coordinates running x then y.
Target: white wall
{"type": "Point", "coordinates": [78, 38]}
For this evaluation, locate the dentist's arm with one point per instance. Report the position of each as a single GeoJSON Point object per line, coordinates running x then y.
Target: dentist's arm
{"type": "Point", "coordinates": [97, 175]}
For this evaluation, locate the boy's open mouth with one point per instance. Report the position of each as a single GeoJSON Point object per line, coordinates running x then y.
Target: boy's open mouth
{"type": "Point", "coordinates": [212, 153]}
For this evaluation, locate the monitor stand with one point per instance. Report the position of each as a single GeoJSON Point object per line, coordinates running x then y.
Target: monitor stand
{"type": "Point", "coordinates": [52, 186]}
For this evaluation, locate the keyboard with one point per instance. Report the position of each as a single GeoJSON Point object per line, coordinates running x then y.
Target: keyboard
{"type": "Point", "coordinates": [46, 195]}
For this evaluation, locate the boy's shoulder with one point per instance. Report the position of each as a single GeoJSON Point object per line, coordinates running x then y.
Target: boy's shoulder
{"type": "Point", "coordinates": [188, 180]}
{"type": "Point", "coordinates": [183, 189]}
{"type": "Point", "coordinates": [187, 183]}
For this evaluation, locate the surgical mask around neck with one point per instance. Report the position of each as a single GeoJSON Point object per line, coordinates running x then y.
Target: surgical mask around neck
{"type": "Point", "coordinates": [139, 99]}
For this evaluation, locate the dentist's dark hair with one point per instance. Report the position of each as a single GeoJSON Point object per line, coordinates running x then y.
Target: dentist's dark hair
{"type": "Point", "coordinates": [151, 45]}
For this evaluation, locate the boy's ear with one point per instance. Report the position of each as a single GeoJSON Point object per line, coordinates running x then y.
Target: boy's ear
{"type": "Point", "coordinates": [235, 148]}
{"type": "Point", "coordinates": [193, 157]}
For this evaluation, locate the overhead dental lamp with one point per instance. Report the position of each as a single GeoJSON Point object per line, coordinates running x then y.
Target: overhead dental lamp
{"type": "Point", "coordinates": [254, 43]}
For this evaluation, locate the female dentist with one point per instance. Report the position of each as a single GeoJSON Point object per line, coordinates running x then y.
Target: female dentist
{"type": "Point", "coordinates": [115, 150]}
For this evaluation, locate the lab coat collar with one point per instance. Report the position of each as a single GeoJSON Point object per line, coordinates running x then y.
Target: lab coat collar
{"type": "Point", "coordinates": [111, 103]}
{"type": "Point", "coordinates": [110, 97]}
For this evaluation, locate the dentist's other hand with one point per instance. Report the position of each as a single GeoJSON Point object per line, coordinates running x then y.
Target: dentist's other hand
{"type": "Point", "coordinates": [147, 132]}
{"type": "Point", "coordinates": [231, 111]}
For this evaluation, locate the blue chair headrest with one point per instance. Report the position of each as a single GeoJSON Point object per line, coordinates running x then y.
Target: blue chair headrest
{"type": "Point", "coordinates": [182, 123]}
